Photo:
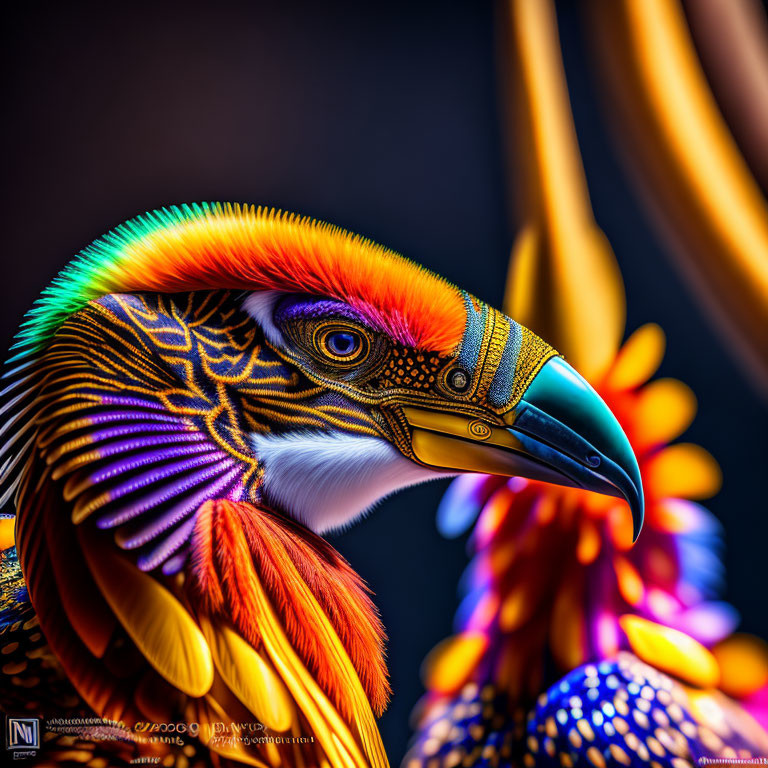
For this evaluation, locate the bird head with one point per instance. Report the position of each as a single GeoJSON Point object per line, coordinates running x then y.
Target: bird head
{"type": "Point", "coordinates": [412, 403]}
{"type": "Point", "coordinates": [344, 371]}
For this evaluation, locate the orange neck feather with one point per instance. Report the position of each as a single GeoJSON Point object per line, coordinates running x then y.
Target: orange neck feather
{"type": "Point", "coordinates": [235, 543]}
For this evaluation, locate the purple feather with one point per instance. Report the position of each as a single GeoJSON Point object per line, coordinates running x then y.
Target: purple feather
{"type": "Point", "coordinates": [165, 492]}
{"type": "Point", "coordinates": [176, 513]}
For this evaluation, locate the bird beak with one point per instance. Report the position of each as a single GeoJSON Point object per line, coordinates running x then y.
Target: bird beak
{"type": "Point", "coordinates": [560, 432]}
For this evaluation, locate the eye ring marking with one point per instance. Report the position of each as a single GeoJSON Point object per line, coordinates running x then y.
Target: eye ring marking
{"type": "Point", "coordinates": [341, 345]}
{"type": "Point", "coordinates": [458, 380]}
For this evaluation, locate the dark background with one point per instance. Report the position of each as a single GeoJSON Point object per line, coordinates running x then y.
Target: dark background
{"type": "Point", "coordinates": [382, 118]}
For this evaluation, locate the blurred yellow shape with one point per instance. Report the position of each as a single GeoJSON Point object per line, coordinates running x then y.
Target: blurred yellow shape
{"type": "Point", "coordinates": [493, 515]}
{"type": "Point", "coordinates": [710, 209]}
{"type": "Point", "coordinates": [451, 662]}
{"type": "Point", "coordinates": [731, 37]}
{"type": "Point", "coordinates": [671, 651]}
{"type": "Point", "coordinates": [743, 661]}
{"type": "Point", "coordinates": [589, 544]}
{"type": "Point", "coordinates": [620, 527]}
{"type": "Point", "coordinates": [7, 533]}
{"type": "Point", "coordinates": [684, 470]}
{"type": "Point", "coordinates": [699, 139]}
{"type": "Point", "coordinates": [567, 628]}
{"type": "Point", "coordinates": [519, 605]}
{"type": "Point", "coordinates": [638, 358]}
{"type": "Point", "coordinates": [664, 410]}
{"type": "Point", "coordinates": [628, 579]}
{"type": "Point", "coordinates": [563, 282]}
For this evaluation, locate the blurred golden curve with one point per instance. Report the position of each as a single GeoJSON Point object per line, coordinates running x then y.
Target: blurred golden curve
{"type": "Point", "coordinates": [564, 282]}
{"type": "Point", "coordinates": [731, 37]}
{"type": "Point", "coordinates": [698, 186]}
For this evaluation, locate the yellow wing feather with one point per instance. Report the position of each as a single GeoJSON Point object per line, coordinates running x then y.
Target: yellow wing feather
{"type": "Point", "coordinates": [252, 679]}
{"type": "Point", "coordinates": [156, 621]}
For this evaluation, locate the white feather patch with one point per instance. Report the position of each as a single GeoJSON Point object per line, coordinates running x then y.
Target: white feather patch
{"type": "Point", "coordinates": [327, 481]}
{"type": "Point", "coordinates": [260, 305]}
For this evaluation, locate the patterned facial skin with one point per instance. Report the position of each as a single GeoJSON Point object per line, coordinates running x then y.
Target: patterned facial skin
{"type": "Point", "coordinates": [483, 378]}
{"type": "Point", "coordinates": [375, 366]}
{"type": "Point", "coordinates": [218, 367]}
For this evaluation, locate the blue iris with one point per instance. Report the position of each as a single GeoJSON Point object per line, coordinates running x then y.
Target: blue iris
{"type": "Point", "coordinates": [343, 343]}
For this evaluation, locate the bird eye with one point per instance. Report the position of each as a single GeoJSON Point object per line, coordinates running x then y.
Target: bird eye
{"type": "Point", "coordinates": [343, 343]}
{"type": "Point", "coordinates": [344, 346]}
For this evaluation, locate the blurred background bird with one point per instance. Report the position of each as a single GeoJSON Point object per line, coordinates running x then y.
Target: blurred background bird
{"type": "Point", "coordinates": [575, 646]}
{"type": "Point", "coordinates": [196, 398]}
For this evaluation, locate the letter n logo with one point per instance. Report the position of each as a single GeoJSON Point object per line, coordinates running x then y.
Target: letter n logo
{"type": "Point", "coordinates": [22, 733]}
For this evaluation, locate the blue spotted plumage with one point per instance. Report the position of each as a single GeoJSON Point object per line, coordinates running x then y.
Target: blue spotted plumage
{"type": "Point", "coordinates": [625, 712]}
{"type": "Point", "coordinates": [621, 712]}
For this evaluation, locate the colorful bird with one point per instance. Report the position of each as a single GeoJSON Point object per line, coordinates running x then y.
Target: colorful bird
{"type": "Point", "coordinates": [195, 399]}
